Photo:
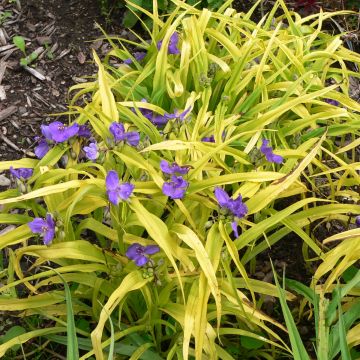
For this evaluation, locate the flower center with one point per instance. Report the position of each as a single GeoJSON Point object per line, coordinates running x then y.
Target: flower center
{"type": "Point", "coordinates": [44, 228]}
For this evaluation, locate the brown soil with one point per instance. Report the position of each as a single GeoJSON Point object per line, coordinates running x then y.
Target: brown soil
{"type": "Point", "coordinates": [65, 30]}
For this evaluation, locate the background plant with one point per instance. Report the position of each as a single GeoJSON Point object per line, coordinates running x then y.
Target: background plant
{"type": "Point", "coordinates": [188, 111]}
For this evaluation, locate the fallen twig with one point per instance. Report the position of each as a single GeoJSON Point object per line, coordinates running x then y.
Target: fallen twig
{"type": "Point", "coordinates": [7, 112]}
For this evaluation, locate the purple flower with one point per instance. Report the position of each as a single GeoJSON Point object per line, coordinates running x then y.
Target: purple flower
{"type": "Point", "coordinates": [132, 138]}
{"type": "Point", "coordinates": [45, 227]}
{"type": "Point", "coordinates": [42, 148]}
{"type": "Point", "coordinates": [178, 115]}
{"type": "Point", "coordinates": [159, 120]}
{"type": "Point", "coordinates": [235, 206]}
{"type": "Point", "coordinates": [119, 133]}
{"type": "Point", "coordinates": [59, 132]}
{"type": "Point", "coordinates": [145, 112]}
{"type": "Point", "coordinates": [234, 226]}
{"type": "Point", "coordinates": [84, 131]}
{"type": "Point", "coordinates": [138, 253]}
{"type": "Point", "coordinates": [357, 221]}
{"type": "Point", "coordinates": [210, 139]}
{"type": "Point", "coordinates": [332, 102]}
{"type": "Point", "coordinates": [115, 190]}
{"type": "Point", "coordinates": [139, 55]}
{"type": "Point", "coordinates": [173, 168]}
{"type": "Point", "coordinates": [21, 173]}
{"type": "Point", "coordinates": [175, 188]}
{"type": "Point", "coordinates": [173, 43]}
{"type": "Point", "coordinates": [268, 152]}
{"type": "Point", "coordinates": [91, 151]}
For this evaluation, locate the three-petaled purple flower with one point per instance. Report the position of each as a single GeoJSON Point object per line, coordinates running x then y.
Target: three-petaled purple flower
{"type": "Point", "coordinates": [236, 207]}
{"type": "Point", "coordinates": [173, 168]}
{"type": "Point", "coordinates": [138, 55]}
{"type": "Point", "coordinates": [45, 227]}
{"type": "Point", "coordinates": [21, 173]}
{"type": "Point", "coordinates": [119, 133]}
{"type": "Point", "coordinates": [175, 188]}
{"type": "Point", "coordinates": [137, 253]}
{"type": "Point", "coordinates": [173, 43]}
{"type": "Point", "coordinates": [91, 151]}
{"type": "Point", "coordinates": [268, 152]}
{"type": "Point", "coordinates": [116, 191]}
{"type": "Point", "coordinates": [59, 132]}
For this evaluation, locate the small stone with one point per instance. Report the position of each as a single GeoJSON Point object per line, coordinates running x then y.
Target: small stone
{"type": "Point", "coordinates": [4, 181]}
{"type": "Point", "coordinates": [22, 110]}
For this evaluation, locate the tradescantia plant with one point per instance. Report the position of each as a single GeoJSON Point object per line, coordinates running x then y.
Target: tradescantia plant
{"type": "Point", "coordinates": [219, 140]}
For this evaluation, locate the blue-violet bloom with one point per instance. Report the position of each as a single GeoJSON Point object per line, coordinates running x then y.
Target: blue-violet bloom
{"type": "Point", "coordinates": [21, 173]}
{"type": "Point", "coordinates": [91, 151]}
{"type": "Point", "coordinates": [119, 133]}
{"type": "Point", "coordinates": [59, 132]}
{"type": "Point", "coordinates": [268, 152]}
{"type": "Point", "coordinates": [84, 131]}
{"type": "Point", "coordinates": [173, 168]}
{"type": "Point", "coordinates": [45, 227]}
{"type": "Point", "coordinates": [235, 206]}
{"type": "Point", "coordinates": [137, 253]}
{"type": "Point", "coordinates": [42, 148]}
{"type": "Point", "coordinates": [115, 190]}
{"type": "Point", "coordinates": [175, 188]}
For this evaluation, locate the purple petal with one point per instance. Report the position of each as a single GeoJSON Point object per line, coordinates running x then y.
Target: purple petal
{"type": "Point", "coordinates": [234, 226]}
{"type": "Point", "coordinates": [46, 132]}
{"type": "Point", "coordinates": [139, 55]}
{"type": "Point", "coordinates": [50, 221]}
{"type": "Point", "coordinates": [42, 149]}
{"type": "Point", "coordinates": [118, 131]}
{"type": "Point", "coordinates": [38, 225]}
{"type": "Point", "coordinates": [49, 236]}
{"type": "Point", "coordinates": [141, 260]}
{"type": "Point", "coordinates": [174, 39]}
{"type": "Point", "coordinates": [128, 61]}
{"type": "Point", "coordinates": [132, 138]}
{"type": "Point", "coordinates": [134, 250]}
{"type": "Point", "coordinates": [151, 249]}
{"type": "Point", "coordinates": [221, 196]}
{"type": "Point", "coordinates": [112, 180]}
{"type": "Point", "coordinates": [125, 190]}
{"type": "Point", "coordinates": [159, 120]}
{"type": "Point", "coordinates": [165, 167]}
{"type": "Point", "coordinates": [84, 131]}
{"type": "Point", "coordinates": [175, 188]}
{"type": "Point", "coordinates": [238, 208]}
{"type": "Point", "coordinates": [274, 158]}
{"type": "Point", "coordinates": [113, 196]}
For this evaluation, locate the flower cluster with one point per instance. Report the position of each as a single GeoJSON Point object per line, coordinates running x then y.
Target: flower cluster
{"type": "Point", "coordinates": [176, 187]}
{"type": "Point", "coordinates": [57, 132]}
{"type": "Point", "coordinates": [21, 173]}
{"type": "Point", "coordinates": [234, 207]}
{"type": "Point", "coordinates": [137, 253]}
{"type": "Point", "coordinates": [119, 133]}
{"type": "Point", "coordinates": [44, 227]}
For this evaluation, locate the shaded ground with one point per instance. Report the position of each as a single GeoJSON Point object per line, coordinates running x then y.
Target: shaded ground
{"type": "Point", "coordinates": [60, 31]}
